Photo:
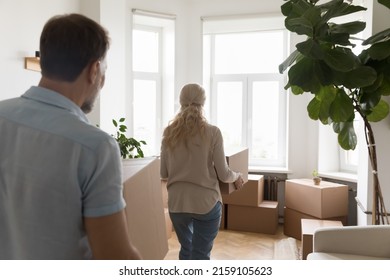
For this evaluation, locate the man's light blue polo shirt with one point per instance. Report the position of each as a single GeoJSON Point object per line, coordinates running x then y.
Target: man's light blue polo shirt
{"type": "Point", "coordinates": [55, 169]}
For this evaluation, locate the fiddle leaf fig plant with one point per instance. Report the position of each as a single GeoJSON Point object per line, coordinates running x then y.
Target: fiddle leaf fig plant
{"type": "Point", "coordinates": [129, 147]}
{"type": "Point", "coordinates": [343, 84]}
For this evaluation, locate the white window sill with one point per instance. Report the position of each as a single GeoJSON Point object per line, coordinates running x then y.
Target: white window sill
{"type": "Point", "coordinates": [343, 176]}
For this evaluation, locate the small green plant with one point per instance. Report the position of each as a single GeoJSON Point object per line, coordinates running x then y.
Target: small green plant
{"type": "Point", "coordinates": [316, 178]}
{"type": "Point", "coordinates": [129, 147]}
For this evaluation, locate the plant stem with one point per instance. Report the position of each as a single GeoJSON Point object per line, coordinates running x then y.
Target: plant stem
{"type": "Point", "coordinates": [379, 213]}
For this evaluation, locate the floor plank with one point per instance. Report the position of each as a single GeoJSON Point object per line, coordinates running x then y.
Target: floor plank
{"type": "Point", "coordinates": [236, 245]}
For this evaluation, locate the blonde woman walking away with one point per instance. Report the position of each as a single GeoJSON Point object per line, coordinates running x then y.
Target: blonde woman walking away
{"type": "Point", "coordinates": [192, 160]}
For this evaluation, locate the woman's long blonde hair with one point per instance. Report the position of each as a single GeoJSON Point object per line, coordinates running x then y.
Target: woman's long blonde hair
{"type": "Point", "coordinates": [190, 120]}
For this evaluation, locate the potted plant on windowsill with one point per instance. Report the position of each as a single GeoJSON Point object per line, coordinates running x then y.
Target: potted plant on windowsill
{"type": "Point", "coordinates": [316, 178]}
{"type": "Point", "coordinates": [129, 147]}
{"type": "Point", "coordinates": [343, 84]}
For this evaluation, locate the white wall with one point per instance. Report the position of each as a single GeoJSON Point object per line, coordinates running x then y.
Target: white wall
{"type": "Point", "coordinates": [21, 22]}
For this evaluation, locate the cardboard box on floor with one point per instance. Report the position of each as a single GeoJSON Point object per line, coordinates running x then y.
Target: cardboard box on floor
{"type": "Point", "coordinates": [251, 194]}
{"type": "Point", "coordinates": [324, 201]}
{"type": "Point", "coordinates": [261, 219]}
{"type": "Point", "coordinates": [144, 210]}
{"type": "Point", "coordinates": [292, 222]}
{"type": "Point", "coordinates": [238, 161]}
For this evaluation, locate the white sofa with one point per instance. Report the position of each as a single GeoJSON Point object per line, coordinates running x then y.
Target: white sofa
{"type": "Point", "coordinates": [351, 243]}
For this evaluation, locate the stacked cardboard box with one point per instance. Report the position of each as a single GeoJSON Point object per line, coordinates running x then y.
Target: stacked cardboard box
{"type": "Point", "coordinates": [304, 200]}
{"type": "Point", "coordinates": [245, 210]}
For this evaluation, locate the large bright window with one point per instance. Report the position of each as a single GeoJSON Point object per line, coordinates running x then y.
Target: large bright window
{"type": "Point", "coordinates": [153, 78]}
{"type": "Point", "coordinates": [247, 97]}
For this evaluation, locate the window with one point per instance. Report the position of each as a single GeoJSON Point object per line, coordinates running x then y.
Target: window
{"type": "Point", "coordinates": [247, 97]}
{"type": "Point", "coordinates": [152, 73]}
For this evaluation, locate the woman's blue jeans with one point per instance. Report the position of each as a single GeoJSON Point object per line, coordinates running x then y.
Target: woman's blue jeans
{"type": "Point", "coordinates": [196, 232]}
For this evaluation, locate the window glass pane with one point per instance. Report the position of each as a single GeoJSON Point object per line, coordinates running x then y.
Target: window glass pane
{"type": "Point", "coordinates": [144, 108]}
{"type": "Point", "coordinates": [145, 51]}
{"type": "Point", "coordinates": [265, 121]}
{"type": "Point", "coordinates": [229, 112]}
{"type": "Point", "coordinates": [254, 52]}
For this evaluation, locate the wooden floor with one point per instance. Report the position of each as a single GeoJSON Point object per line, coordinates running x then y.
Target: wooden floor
{"type": "Point", "coordinates": [236, 245]}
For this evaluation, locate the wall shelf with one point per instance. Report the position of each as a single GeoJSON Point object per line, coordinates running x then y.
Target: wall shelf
{"type": "Point", "coordinates": [32, 63]}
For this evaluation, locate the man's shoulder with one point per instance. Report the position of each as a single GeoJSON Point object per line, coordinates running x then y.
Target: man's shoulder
{"type": "Point", "coordinates": [88, 135]}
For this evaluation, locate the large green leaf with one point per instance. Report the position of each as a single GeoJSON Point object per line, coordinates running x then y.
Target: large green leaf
{"type": "Point", "coordinates": [339, 59]}
{"type": "Point", "coordinates": [346, 135]}
{"type": "Point", "coordinates": [296, 90]}
{"type": "Point", "coordinates": [318, 107]}
{"type": "Point", "coordinates": [300, 7]}
{"type": "Point", "coordinates": [314, 108]}
{"type": "Point", "coordinates": [350, 9]}
{"type": "Point", "coordinates": [328, 5]}
{"type": "Point", "coordinates": [361, 76]}
{"type": "Point", "coordinates": [323, 72]}
{"type": "Point", "coordinates": [384, 88]}
{"type": "Point", "coordinates": [370, 96]}
{"type": "Point", "coordinates": [286, 8]}
{"type": "Point", "coordinates": [289, 61]}
{"type": "Point", "coordinates": [338, 39]}
{"type": "Point", "coordinates": [330, 9]}
{"type": "Point", "coordinates": [380, 50]}
{"type": "Point", "coordinates": [341, 109]}
{"type": "Point", "coordinates": [381, 36]}
{"type": "Point", "coordinates": [337, 8]}
{"type": "Point", "coordinates": [353, 27]}
{"type": "Point", "coordinates": [301, 17]}
{"type": "Point", "coordinates": [301, 26]}
{"type": "Point", "coordinates": [375, 86]}
{"type": "Point", "coordinates": [379, 112]}
{"type": "Point", "coordinates": [303, 74]}
{"type": "Point", "coordinates": [310, 48]}
{"type": "Point", "coordinates": [313, 14]}
{"type": "Point", "coordinates": [385, 2]}
{"type": "Point", "coordinates": [341, 39]}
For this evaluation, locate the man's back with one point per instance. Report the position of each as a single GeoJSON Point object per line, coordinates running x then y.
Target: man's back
{"type": "Point", "coordinates": [55, 170]}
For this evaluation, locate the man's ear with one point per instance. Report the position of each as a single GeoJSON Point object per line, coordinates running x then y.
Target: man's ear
{"type": "Point", "coordinates": [93, 71]}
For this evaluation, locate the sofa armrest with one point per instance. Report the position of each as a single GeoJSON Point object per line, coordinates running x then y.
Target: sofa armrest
{"type": "Point", "coordinates": [373, 240]}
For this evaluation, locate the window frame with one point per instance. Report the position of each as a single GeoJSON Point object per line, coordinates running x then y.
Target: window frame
{"type": "Point", "coordinates": [247, 81]}
{"type": "Point", "coordinates": [150, 76]}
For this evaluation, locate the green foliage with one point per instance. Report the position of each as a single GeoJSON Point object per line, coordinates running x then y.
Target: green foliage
{"type": "Point", "coordinates": [129, 147]}
{"type": "Point", "coordinates": [324, 65]}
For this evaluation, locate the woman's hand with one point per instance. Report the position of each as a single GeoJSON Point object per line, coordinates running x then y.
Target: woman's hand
{"type": "Point", "coordinates": [239, 182]}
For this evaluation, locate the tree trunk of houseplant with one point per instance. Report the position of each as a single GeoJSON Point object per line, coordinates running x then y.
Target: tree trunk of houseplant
{"type": "Point", "coordinates": [379, 213]}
